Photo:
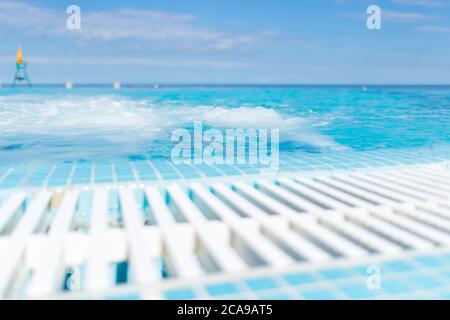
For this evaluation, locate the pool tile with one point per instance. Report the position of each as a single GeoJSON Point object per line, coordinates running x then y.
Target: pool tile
{"type": "Point", "coordinates": [445, 274]}
{"type": "Point", "coordinates": [319, 295]}
{"type": "Point", "coordinates": [275, 295]}
{"type": "Point", "coordinates": [397, 266]}
{"type": "Point", "coordinates": [394, 286]}
{"type": "Point", "coordinates": [219, 289]}
{"type": "Point", "coordinates": [358, 291]}
{"type": "Point", "coordinates": [446, 258]}
{"type": "Point", "coordinates": [237, 297]}
{"type": "Point", "coordinates": [333, 274]}
{"type": "Point", "coordinates": [299, 278]}
{"type": "Point", "coordinates": [445, 295]}
{"type": "Point", "coordinates": [361, 269]}
{"type": "Point", "coordinates": [430, 261]}
{"type": "Point", "coordinates": [180, 294]}
{"type": "Point", "coordinates": [261, 283]}
{"type": "Point", "coordinates": [424, 281]}
{"type": "Point", "coordinates": [130, 296]}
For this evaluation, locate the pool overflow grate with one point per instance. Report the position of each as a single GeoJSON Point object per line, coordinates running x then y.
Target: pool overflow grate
{"type": "Point", "coordinates": [89, 240]}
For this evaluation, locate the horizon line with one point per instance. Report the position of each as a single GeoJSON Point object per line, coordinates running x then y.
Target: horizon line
{"type": "Point", "coordinates": [172, 84]}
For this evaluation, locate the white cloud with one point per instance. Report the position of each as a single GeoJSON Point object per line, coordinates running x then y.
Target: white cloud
{"type": "Point", "coordinates": [150, 29]}
{"type": "Point", "coordinates": [436, 29]}
{"type": "Point", "coordinates": [396, 16]}
{"type": "Point", "coordinates": [21, 17]}
{"type": "Point", "coordinates": [424, 3]}
{"type": "Point", "coordinates": [127, 61]}
{"type": "Point", "coordinates": [400, 16]}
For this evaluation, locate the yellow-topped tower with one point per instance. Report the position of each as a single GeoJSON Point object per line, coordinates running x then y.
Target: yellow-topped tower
{"type": "Point", "coordinates": [21, 69]}
{"type": "Point", "coordinates": [19, 58]}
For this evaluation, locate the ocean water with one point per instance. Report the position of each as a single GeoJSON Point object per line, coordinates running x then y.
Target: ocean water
{"type": "Point", "coordinates": [100, 124]}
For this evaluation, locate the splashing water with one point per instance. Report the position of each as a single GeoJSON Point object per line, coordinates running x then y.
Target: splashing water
{"type": "Point", "coordinates": [102, 124]}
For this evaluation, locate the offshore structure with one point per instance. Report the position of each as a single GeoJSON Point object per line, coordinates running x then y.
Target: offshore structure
{"type": "Point", "coordinates": [21, 70]}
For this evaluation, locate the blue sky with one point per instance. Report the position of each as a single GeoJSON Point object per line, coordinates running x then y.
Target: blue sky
{"type": "Point", "coordinates": [228, 41]}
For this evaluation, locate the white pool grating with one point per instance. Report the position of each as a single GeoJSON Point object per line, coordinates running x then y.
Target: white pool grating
{"type": "Point", "coordinates": [199, 229]}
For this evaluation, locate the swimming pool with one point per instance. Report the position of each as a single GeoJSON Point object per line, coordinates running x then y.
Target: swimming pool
{"type": "Point", "coordinates": [114, 148]}
{"type": "Point", "coordinates": [54, 137]}
{"type": "Point", "coordinates": [283, 237]}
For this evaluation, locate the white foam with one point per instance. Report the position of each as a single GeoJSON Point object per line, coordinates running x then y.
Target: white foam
{"type": "Point", "coordinates": [293, 128]}
{"type": "Point", "coordinates": [124, 125]}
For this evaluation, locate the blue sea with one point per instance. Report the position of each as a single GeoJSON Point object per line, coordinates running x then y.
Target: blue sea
{"type": "Point", "coordinates": [49, 125]}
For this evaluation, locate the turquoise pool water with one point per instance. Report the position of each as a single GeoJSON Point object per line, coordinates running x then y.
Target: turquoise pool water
{"type": "Point", "coordinates": [46, 127]}
{"type": "Point", "coordinates": [421, 277]}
